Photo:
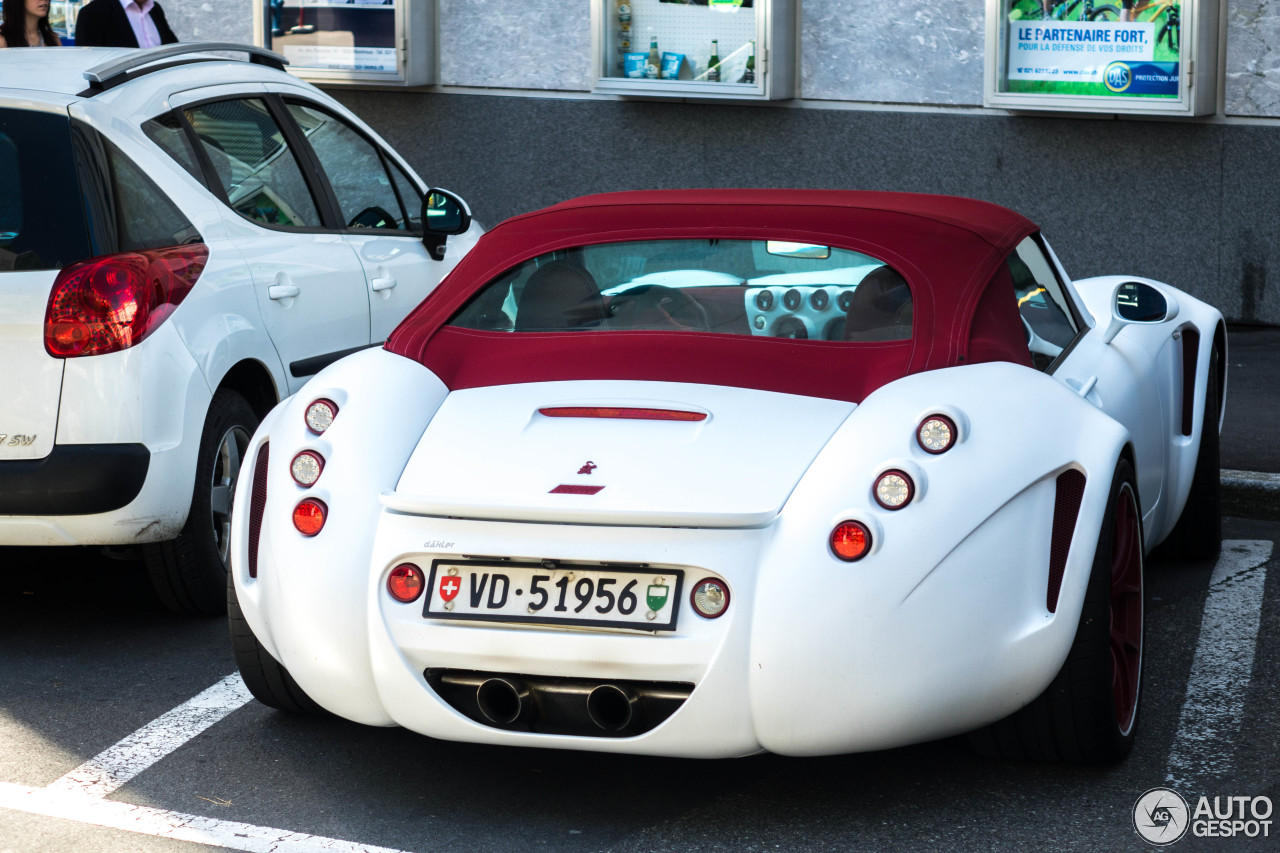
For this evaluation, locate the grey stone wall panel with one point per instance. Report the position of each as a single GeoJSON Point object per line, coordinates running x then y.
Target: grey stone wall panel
{"type": "Point", "coordinates": [515, 44]}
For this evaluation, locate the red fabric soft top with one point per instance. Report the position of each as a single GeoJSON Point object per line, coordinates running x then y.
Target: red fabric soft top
{"type": "Point", "coordinates": [947, 248]}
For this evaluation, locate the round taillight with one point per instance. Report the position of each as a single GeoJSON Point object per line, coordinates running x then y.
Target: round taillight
{"type": "Point", "coordinates": [306, 467]}
{"type": "Point", "coordinates": [320, 415]}
{"type": "Point", "coordinates": [309, 516]}
{"type": "Point", "coordinates": [894, 489]}
{"type": "Point", "coordinates": [710, 597]}
{"type": "Point", "coordinates": [936, 434]}
{"type": "Point", "coordinates": [405, 583]}
{"type": "Point", "coordinates": [850, 541]}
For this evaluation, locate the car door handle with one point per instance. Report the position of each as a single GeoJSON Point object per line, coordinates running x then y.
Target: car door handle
{"type": "Point", "coordinates": [283, 291]}
{"type": "Point", "coordinates": [380, 284]}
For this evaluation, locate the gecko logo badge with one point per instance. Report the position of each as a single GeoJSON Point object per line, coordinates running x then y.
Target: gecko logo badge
{"type": "Point", "coordinates": [1161, 816]}
{"type": "Point", "coordinates": [1118, 76]}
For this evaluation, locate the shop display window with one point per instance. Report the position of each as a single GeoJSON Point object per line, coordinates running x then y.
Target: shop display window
{"type": "Point", "coordinates": [734, 49]}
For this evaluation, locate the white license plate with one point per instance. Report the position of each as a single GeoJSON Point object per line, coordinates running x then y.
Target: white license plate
{"type": "Point", "coordinates": [500, 591]}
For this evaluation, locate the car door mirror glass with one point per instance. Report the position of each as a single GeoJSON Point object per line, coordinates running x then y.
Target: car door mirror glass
{"type": "Point", "coordinates": [1140, 303]}
{"type": "Point", "coordinates": [444, 213]}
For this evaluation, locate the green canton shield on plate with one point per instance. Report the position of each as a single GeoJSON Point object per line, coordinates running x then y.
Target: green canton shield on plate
{"type": "Point", "coordinates": [657, 596]}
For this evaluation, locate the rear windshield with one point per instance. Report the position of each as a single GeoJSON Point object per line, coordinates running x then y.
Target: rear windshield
{"type": "Point", "coordinates": [743, 287]}
{"type": "Point", "coordinates": [42, 222]}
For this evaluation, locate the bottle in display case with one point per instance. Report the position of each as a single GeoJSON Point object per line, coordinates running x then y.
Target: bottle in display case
{"type": "Point", "coordinates": [654, 64]}
{"type": "Point", "coordinates": [713, 64]}
{"type": "Point", "coordinates": [749, 75]}
{"type": "Point", "coordinates": [624, 31]}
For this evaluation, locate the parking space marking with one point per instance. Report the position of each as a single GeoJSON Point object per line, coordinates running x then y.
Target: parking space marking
{"type": "Point", "coordinates": [80, 795]}
{"type": "Point", "coordinates": [95, 811]}
{"type": "Point", "coordinates": [117, 764]}
{"type": "Point", "coordinates": [1222, 667]}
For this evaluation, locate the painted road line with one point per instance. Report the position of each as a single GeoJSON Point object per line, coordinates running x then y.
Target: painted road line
{"type": "Point", "coordinates": [116, 765]}
{"type": "Point", "coordinates": [75, 806]}
{"type": "Point", "coordinates": [1223, 666]}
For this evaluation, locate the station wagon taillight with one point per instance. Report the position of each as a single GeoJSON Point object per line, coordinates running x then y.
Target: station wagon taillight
{"type": "Point", "coordinates": [113, 302]}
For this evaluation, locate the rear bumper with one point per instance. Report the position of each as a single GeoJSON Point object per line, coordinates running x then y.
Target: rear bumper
{"type": "Point", "coordinates": [75, 479]}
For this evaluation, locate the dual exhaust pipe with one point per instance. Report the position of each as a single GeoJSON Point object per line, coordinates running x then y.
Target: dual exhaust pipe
{"type": "Point", "coordinates": [505, 701]}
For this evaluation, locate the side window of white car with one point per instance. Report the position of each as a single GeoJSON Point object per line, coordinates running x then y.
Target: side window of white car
{"type": "Point", "coordinates": [254, 164]}
{"type": "Point", "coordinates": [357, 171]}
{"type": "Point", "coordinates": [1042, 302]}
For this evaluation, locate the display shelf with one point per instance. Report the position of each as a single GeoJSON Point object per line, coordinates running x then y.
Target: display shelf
{"type": "Point", "coordinates": [687, 29]}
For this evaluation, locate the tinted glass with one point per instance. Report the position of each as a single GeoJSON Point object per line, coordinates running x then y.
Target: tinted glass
{"type": "Point", "coordinates": [42, 224]}
{"type": "Point", "coordinates": [705, 285]}
{"type": "Point", "coordinates": [253, 162]}
{"type": "Point", "coordinates": [1042, 302]}
{"type": "Point", "coordinates": [167, 132]}
{"type": "Point", "coordinates": [146, 218]}
{"type": "Point", "coordinates": [354, 168]}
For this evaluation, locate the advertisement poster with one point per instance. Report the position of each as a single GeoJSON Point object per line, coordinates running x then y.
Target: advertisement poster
{"type": "Point", "coordinates": [356, 35]}
{"type": "Point", "coordinates": [1123, 48]}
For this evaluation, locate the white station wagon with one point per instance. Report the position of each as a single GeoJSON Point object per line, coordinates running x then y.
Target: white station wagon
{"type": "Point", "coordinates": [185, 239]}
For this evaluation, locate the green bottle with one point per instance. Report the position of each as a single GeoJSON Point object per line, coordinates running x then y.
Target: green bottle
{"type": "Point", "coordinates": [749, 76]}
{"type": "Point", "coordinates": [713, 65]}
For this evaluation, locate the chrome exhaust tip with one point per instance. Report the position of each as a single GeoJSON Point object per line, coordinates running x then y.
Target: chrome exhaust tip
{"type": "Point", "coordinates": [502, 702]}
{"type": "Point", "coordinates": [611, 707]}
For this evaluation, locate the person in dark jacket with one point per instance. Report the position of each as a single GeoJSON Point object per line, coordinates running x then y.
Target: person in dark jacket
{"type": "Point", "coordinates": [123, 23]}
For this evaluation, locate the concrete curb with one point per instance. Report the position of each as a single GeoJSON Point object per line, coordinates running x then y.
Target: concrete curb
{"type": "Point", "coordinates": [1251, 494]}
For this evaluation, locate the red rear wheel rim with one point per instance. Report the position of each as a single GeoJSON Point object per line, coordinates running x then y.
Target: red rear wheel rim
{"type": "Point", "coordinates": [1126, 609]}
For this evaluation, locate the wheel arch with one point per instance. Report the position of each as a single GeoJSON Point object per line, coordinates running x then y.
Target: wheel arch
{"type": "Point", "coordinates": [252, 380]}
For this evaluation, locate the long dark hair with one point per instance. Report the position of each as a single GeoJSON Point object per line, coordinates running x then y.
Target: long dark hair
{"type": "Point", "coordinates": [14, 28]}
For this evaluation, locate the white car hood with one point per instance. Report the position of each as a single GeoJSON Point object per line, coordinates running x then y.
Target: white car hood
{"type": "Point", "coordinates": [488, 453]}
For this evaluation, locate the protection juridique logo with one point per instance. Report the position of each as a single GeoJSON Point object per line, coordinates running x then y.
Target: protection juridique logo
{"type": "Point", "coordinates": [1161, 816]}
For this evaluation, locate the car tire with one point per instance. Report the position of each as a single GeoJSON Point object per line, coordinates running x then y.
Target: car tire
{"type": "Point", "coordinates": [1198, 533]}
{"type": "Point", "coordinates": [267, 679]}
{"type": "Point", "coordinates": [189, 573]}
{"type": "Point", "coordinates": [1089, 712]}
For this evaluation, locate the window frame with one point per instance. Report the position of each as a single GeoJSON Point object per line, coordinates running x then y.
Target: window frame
{"type": "Point", "coordinates": [1068, 297]}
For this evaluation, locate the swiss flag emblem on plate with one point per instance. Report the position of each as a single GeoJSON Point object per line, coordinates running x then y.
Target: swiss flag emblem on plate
{"type": "Point", "coordinates": [449, 586]}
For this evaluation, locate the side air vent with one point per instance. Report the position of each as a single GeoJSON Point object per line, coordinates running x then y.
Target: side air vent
{"type": "Point", "coordinates": [1190, 356]}
{"type": "Point", "coordinates": [1066, 508]}
{"type": "Point", "coordinates": [257, 505]}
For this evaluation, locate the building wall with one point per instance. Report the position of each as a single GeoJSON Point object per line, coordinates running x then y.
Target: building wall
{"type": "Point", "coordinates": [884, 104]}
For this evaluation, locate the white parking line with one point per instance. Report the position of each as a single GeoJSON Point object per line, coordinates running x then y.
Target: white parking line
{"type": "Point", "coordinates": [75, 806]}
{"type": "Point", "coordinates": [116, 765]}
{"type": "Point", "coordinates": [1222, 667]}
{"type": "Point", "coordinates": [80, 795]}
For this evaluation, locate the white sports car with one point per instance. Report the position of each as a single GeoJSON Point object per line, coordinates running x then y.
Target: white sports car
{"type": "Point", "coordinates": [707, 473]}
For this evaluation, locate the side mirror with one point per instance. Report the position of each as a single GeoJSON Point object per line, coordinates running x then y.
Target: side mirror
{"type": "Point", "coordinates": [1138, 302]}
{"type": "Point", "coordinates": [443, 214]}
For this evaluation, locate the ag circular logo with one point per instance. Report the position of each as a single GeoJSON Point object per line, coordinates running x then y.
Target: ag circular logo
{"type": "Point", "coordinates": [1161, 816]}
{"type": "Point", "coordinates": [1118, 76]}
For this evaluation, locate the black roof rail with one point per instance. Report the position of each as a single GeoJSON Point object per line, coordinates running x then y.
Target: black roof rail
{"type": "Point", "coordinates": [139, 62]}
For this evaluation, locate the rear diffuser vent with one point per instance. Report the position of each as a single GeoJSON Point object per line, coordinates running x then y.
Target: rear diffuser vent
{"type": "Point", "coordinates": [1066, 507]}
{"type": "Point", "coordinates": [257, 505]}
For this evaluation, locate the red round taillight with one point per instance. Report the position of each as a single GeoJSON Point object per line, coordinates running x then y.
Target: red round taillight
{"type": "Point", "coordinates": [309, 516]}
{"type": "Point", "coordinates": [320, 415]}
{"type": "Point", "coordinates": [405, 583]}
{"type": "Point", "coordinates": [936, 434]}
{"type": "Point", "coordinates": [710, 597]}
{"type": "Point", "coordinates": [850, 541]}
{"type": "Point", "coordinates": [306, 468]}
{"type": "Point", "coordinates": [112, 303]}
{"type": "Point", "coordinates": [894, 489]}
